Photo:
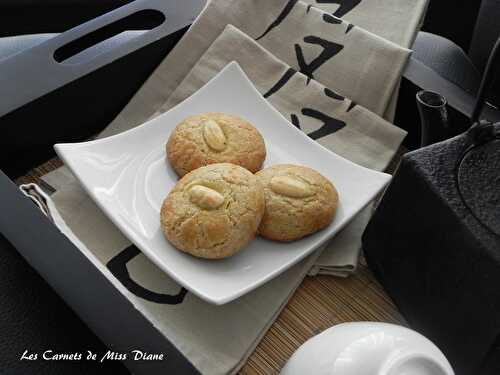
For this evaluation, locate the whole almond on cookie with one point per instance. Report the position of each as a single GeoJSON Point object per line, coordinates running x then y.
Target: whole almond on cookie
{"type": "Point", "coordinates": [214, 136]}
{"type": "Point", "coordinates": [290, 187]}
{"type": "Point", "coordinates": [205, 197]}
{"type": "Point", "coordinates": [299, 202]}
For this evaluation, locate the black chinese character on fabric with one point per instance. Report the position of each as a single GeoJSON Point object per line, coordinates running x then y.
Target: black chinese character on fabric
{"type": "Point", "coordinates": [345, 6]}
{"type": "Point", "coordinates": [330, 124]}
{"type": "Point", "coordinates": [330, 49]}
{"type": "Point", "coordinates": [281, 17]}
{"type": "Point", "coordinates": [118, 267]}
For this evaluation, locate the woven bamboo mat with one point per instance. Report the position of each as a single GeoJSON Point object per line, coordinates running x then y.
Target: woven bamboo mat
{"type": "Point", "coordinates": [319, 303]}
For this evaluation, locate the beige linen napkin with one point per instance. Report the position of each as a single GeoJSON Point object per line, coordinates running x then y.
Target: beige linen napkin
{"type": "Point", "coordinates": [345, 58]}
{"type": "Point", "coordinates": [335, 121]}
{"type": "Point", "coordinates": [394, 20]}
{"type": "Point", "coordinates": [340, 256]}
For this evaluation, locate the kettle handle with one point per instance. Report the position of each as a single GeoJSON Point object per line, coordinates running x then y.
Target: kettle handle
{"type": "Point", "coordinates": [486, 82]}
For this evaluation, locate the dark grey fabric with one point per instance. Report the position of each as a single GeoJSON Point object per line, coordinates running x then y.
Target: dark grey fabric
{"type": "Point", "coordinates": [485, 35]}
{"type": "Point", "coordinates": [452, 19]}
{"type": "Point", "coordinates": [448, 60]}
{"type": "Point", "coordinates": [486, 32]}
{"type": "Point", "coordinates": [452, 63]}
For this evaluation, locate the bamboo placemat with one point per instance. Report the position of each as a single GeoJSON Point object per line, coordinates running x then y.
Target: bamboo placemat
{"type": "Point", "coordinates": [319, 303]}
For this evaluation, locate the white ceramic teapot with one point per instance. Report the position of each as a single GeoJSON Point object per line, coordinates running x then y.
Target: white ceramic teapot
{"type": "Point", "coordinates": [368, 349]}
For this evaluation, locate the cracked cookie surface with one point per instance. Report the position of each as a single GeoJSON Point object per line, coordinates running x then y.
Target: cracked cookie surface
{"type": "Point", "coordinates": [214, 211]}
{"type": "Point", "coordinates": [215, 138]}
{"type": "Point", "coordinates": [299, 202]}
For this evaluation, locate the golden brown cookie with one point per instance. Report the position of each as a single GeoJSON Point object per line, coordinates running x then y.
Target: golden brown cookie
{"type": "Point", "coordinates": [299, 202]}
{"type": "Point", "coordinates": [215, 138]}
{"type": "Point", "coordinates": [213, 211]}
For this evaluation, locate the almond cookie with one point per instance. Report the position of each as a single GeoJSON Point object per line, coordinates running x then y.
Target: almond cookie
{"type": "Point", "coordinates": [213, 211]}
{"type": "Point", "coordinates": [299, 202]}
{"type": "Point", "coordinates": [215, 138]}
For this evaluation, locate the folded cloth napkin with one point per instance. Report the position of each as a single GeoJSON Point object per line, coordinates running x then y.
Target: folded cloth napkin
{"type": "Point", "coordinates": [345, 58]}
{"type": "Point", "coordinates": [335, 121]}
{"type": "Point", "coordinates": [340, 256]}
{"type": "Point", "coordinates": [394, 20]}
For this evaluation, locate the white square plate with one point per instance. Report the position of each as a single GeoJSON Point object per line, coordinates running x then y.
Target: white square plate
{"type": "Point", "coordinates": [128, 176]}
